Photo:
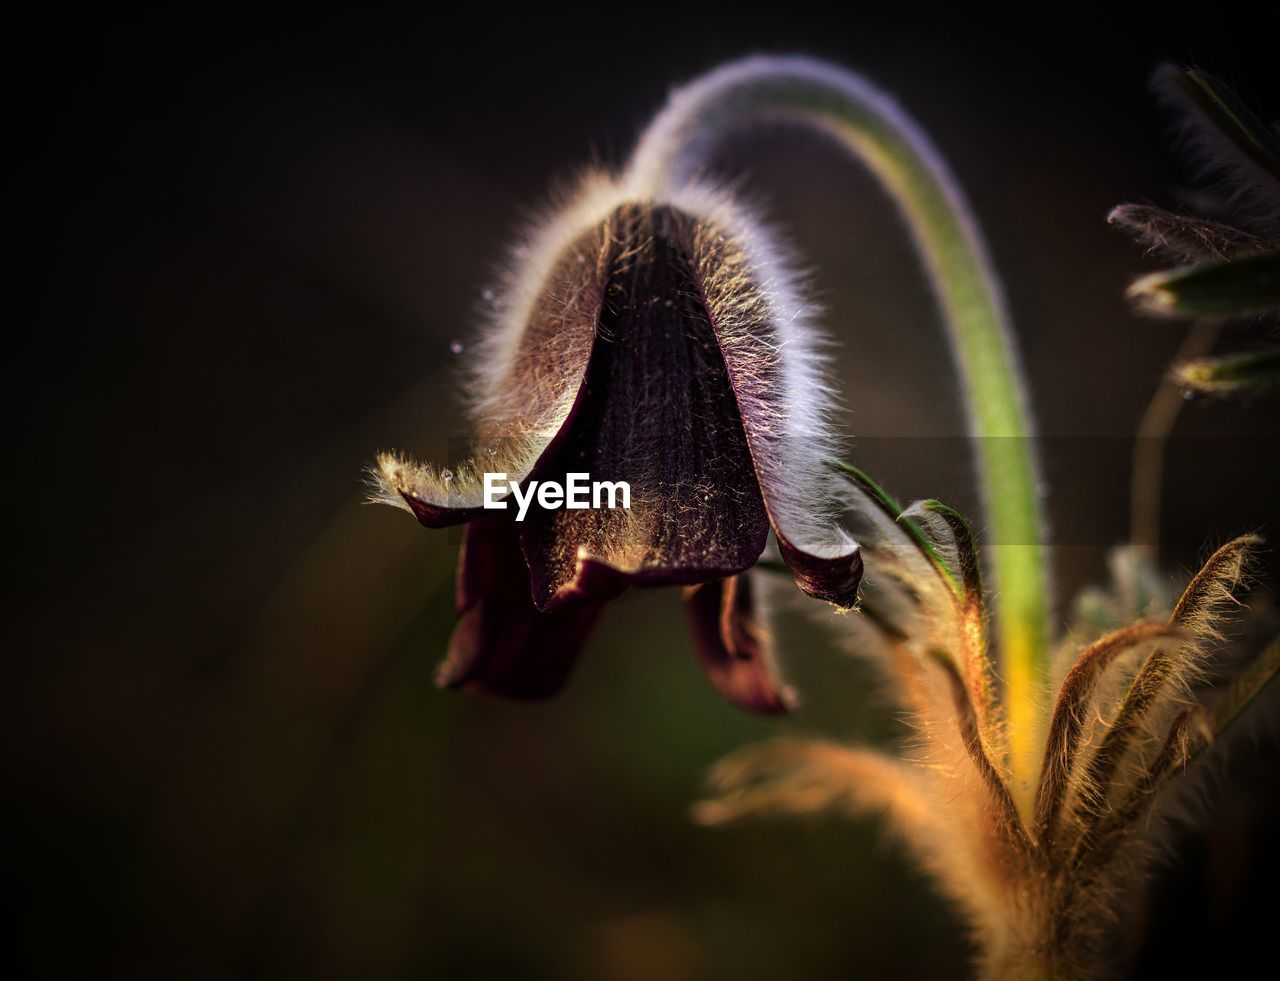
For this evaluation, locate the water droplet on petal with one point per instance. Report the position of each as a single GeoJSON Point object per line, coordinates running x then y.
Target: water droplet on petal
{"type": "Point", "coordinates": [456, 347]}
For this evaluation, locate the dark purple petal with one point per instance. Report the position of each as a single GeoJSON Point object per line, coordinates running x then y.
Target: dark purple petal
{"type": "Point", "coordinates": [733, 647]}
{"type": "Point", "coordinates": [773, 365]}
{"type": "Point", "coordinates": [533, 373]}
{"type": "Point", "coordinates": [502, 644]}
{"type": "Point", "coordinates": [436, 515]}
{"type": "Point", "coordinates": [657, 411]}
{"type": "Point", "coordinates": [834, 579]}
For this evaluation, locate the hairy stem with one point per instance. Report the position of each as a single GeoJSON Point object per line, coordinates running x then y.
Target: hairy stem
{"type": "Point", "coordinates": [1153, 434]}
{"type": "Point", "coordinates": [676, 149]}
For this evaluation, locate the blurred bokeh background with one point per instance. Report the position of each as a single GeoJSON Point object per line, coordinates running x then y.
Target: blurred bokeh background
{"type": "Point", "coordinates": [244, 247]}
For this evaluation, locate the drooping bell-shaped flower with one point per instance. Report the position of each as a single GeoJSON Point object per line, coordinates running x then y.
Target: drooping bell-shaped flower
{"type": "Point", "coordinates": [656, 340]}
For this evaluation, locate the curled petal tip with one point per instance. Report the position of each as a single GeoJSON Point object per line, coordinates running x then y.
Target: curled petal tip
{"type": "Point", "coordinates": [734, 648]}
{"type": "Point", "coordinates": [834, 579]}
{"type": "Point", "coordinates": [431, 515]}
{"type": "Point", "coordinates": [438, 498]}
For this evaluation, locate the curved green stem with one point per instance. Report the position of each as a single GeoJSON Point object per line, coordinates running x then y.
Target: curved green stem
{"type": "Point", "coordinates": [676, 149]}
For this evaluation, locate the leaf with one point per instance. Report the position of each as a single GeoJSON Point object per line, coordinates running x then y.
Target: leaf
{"type": "Point", "coordinates": [1199, 612]}
{"type": "Point", "coordinates": [952, 538]}
{"type": "Point", "coordinates": [877, 494]}
{"type": "Point", "coordinates": [1221, 108]}
{"type": "Point", "coordinates": [1261, 672]}
{"type": "Point", "coordinates": [1182, 237]}
{"type": "Point", "coordinates": [1249, 284]}
{"type": "Point", "coordinates": [1075, 697]}
{"type": "Point", "coordinates": [1231, 146]}
{"type": "Point", "coordinates": [1211, 592]}
{"type": "Point", "coordinates": [895, 512]}
{"type": "Point", "coordinates": [1190, 733]}
{"type": "Point", "coordinates": [1231, 374]}
{"type": "Point", "coordinates": [795, 776]}
{"type": "Point", "coordinates": [1008, 824]}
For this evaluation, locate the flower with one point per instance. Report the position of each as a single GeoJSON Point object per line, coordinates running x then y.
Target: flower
{"type": "Point", "coordinates": [650, 333]}
{"type": "Point", "coordinates": [655, 338]}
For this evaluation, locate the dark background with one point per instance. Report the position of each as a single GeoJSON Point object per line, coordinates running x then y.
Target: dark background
{"type": "Point", "coordinates": [242, 247]}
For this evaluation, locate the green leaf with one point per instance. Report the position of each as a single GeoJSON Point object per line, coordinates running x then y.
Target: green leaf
{"type": "Point", "coordinates": [1231, 374]}
{"type": "Point", "coordinates": [891, 507]}
{"type": "Point", "coordinates": [952, 538]}
{"type": "Point", "coordinates": [1250, 284]}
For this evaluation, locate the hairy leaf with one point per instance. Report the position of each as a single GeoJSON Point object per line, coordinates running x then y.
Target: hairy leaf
{"type": "Point", "coordinates": [1231, 374]}
{"type": "Point", "coordinates": [1232, 287]}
